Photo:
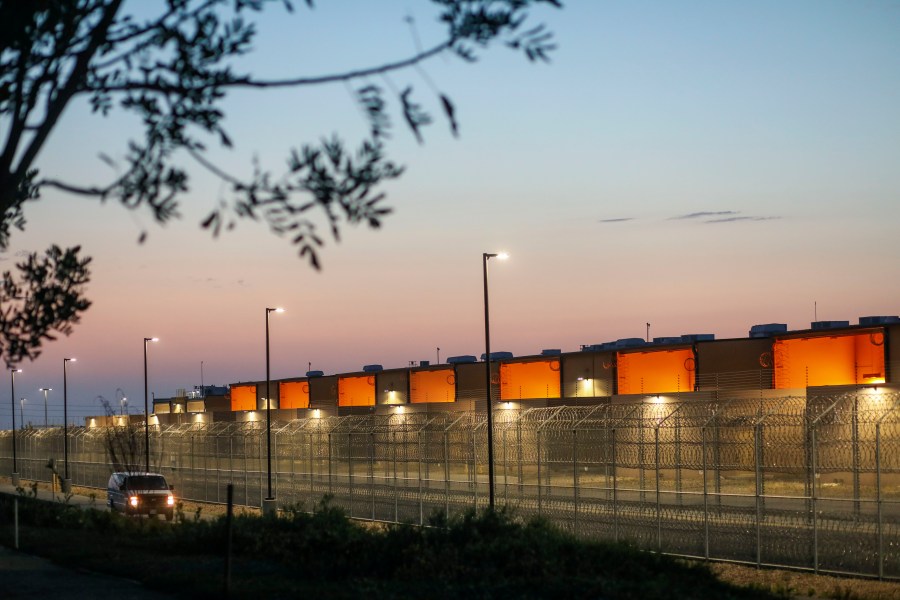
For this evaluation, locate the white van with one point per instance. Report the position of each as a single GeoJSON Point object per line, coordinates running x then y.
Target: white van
{"type": "Point", "coordinates": [140, 494]}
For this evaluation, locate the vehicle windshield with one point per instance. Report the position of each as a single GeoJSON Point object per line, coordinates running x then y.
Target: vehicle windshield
{"type": "Point", "coordinates": [147, 482]}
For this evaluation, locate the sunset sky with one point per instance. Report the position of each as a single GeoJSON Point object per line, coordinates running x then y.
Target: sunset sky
{"type": "Point", "coordinates": [702, 166]}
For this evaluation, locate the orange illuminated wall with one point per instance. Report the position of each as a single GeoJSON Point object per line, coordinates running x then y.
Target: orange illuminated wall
{"type": "Point", "coordinates": [537, 379]}
{"type": "Point", "coordinates": [432, 386]}
{"type": "Point", "coordinates": [243, 397]}
{"type": "Point", "coordinates": [293, 394]}
{"type": "Point", "coordinates": [829, 360]}
{"type": "Point", "coordinates": [656, 372]}
{"type": "Point", "coordinates": [356, 390]}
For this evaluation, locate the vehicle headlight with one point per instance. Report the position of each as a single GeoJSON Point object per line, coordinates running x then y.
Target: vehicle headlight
{"type": "Point", "coordinates": [170, 501]}
{"type": "Point", "coordinates": [133, 500]}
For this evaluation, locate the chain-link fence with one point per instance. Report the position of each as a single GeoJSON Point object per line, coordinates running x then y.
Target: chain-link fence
{"type": "Point", "coordinates": [788, 481]}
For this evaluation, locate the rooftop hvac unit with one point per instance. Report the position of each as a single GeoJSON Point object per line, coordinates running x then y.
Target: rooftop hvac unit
{"type": "Point", "coordinates": [667, 340]}
{"type": "Point", "coordinates": [498, 355]}
{"type": "Point", "coordinates": [829, 324]}
{"type": "Point", "coordinates": [629, 342]}
{"type": "Point", "coordinates": [465, 358]}
{"type": "Point", "coordinates": [881, 320]}
{"type": "Point", "coordinates": [372, 368]}
{"type": "Point", "coordinates": [698, 337]}
{"type": "Point", "coordinates": [552, 351]}
{"type": "Point", "coordinates": [314, 373]}
{"type": "Point", "coordinates": [424, 363]}
{"type": "Point", "coordinates": [767, 330]}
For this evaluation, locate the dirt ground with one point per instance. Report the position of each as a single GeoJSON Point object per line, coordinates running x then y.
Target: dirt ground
{"type": "Point", "coordinates": [799, 584]}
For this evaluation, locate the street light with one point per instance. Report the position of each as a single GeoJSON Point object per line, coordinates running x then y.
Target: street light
{"type": "Point", "coordinates": [146, 410]}
{"type": "Point", "coordinates": [269, 502]}
{"type": "Point", "coordinates": [123, 401]}
{"type": "Point", "coordinates": [487, 375]}
{"type": "Point", "coordinates": [12, 403]}
{"type": "Point", "coordinates": [67, 483]}
{"type": "Point", "coordinates": [46, 421]}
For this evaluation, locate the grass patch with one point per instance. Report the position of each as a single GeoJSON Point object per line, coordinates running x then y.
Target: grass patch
{"type": "Point", "coordinates": [485, 555]}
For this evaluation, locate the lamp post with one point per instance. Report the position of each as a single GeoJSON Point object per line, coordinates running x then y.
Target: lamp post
{"type": "Point", "coordinates": [12, 403]}
{"type": "Point", "coordinates": [67, 483]}
{"type": "Point", "coordinates": [123, 401]}
{"type": "Point", "coordinates": [487, 375]}
{"type": "Point", "coordinates": [46, 420]}
{"type": "Point", "coordinates": [146, 410]}
{"type": "Point", "coordinates": [269, 502]}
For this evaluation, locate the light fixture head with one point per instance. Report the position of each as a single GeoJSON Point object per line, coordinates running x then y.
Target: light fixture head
{"type": "Point", "coordinates": [70, 360]}
{"type": "Point", "coordinates": [277, 310]}
{"type": "Point", "coordinates": [14, 370]}
{"type": "Point", "coordinates": [503, 255]}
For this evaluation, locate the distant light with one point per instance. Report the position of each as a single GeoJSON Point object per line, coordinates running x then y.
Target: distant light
{"type": "Point", "coordinates": [503, 255]}
{"type": "Point", "coordinates": [400, 410]}
{"type": "Point", "coordinates": [317, 413]}
{"type": "Point", "coordinates": [507, 405]}
{"type": "Point", "coordinates": [154, 339]}
{"type": "Point", "coordinates": [279, 309]}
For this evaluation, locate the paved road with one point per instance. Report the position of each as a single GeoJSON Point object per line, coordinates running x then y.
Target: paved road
{"type": "Point", "coordinates": [25, 576]}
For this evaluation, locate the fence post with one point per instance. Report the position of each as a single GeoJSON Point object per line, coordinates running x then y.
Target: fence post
{"type": "Point", "coordinates": [757, 448]}
{"type": "Point", "coordinates": [575, 480]}
{"type": "Point", "coordinates": [814, 502]}
{"type": "Point", "coordinates": [421, 499]}
{"type": "Point", "coordinates": [705, 495]}
{"type": "Point", "coordinates": [446, 475]}
{"type": "Point", "coordinates": [396, 490]}
{"type": "Point", "coordinates": [539, 487]}
{"type": "Point", "coordinates": [505, 466]}
{"type": "Point", "coordinates": [878, 500]}
{"type": "Point", "coordinates": [658, 507]}
{"type": "Point", "coordinates": [372, 470]}
{"type": "Point", "coordinates": [855, 449]}
{"type": "Point", "coordinates": [350, 471]}
{"type": "Point", "coordinates": [615, 489]}
{"type": "Point", "coordinates": [330, 467]}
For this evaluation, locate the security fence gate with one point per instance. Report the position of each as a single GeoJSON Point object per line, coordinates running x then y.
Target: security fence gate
{"type": "Point", "coordinates": [810, 483]}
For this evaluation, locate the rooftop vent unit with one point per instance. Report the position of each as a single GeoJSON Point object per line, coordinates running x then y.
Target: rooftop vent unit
{"type": "Point", "coordinates": [314, 373]}
{"type": "Point", "coordinates": [698, 337]}
{"type": "Point", "coordinates": [667, 340]}
{"type": "Point", "coordinates": [465, 358]}
{"type": "Point", "coordinates": [629, 342]}
{"type": "Point", "coordinates": [424, 363]}
{"type": "Point", "coordinates": [829, 324]}
{"type": "Point", "coordinates": [767, 330]}
{"type": "Point", "coordinates": [498, 355]}
{"type": "Point", "coordinates": [551, 352]}
{"type": "Point", "coordinates": [599, 347]}
{"type": "Point", "coordinates": [372, 368]}
{"type": "Point", "coordinates": [882, 320]}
